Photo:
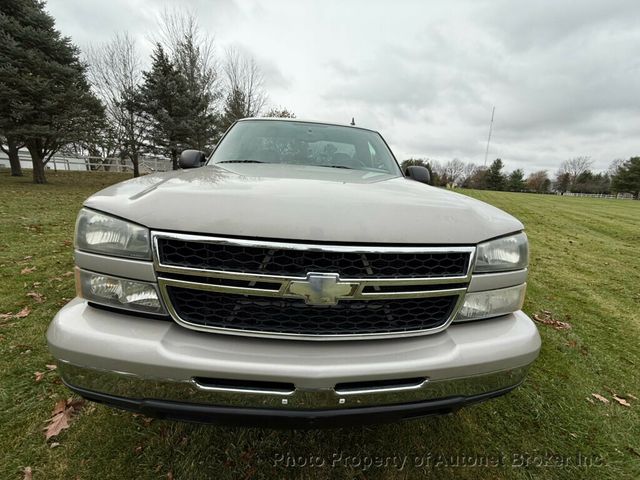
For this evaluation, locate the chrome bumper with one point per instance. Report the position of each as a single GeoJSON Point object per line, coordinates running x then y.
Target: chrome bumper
{"type": "Point", "coordinates": [125, 385]}
{"type": "Point", "coordinates": [130, 357]}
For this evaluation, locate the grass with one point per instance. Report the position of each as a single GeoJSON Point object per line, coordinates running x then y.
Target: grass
{"type": "Point", "coordinates": [585, 268]}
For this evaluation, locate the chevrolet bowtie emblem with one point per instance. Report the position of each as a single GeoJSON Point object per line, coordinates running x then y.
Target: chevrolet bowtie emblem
{"type": "Point", "coordinates": [322, 288]}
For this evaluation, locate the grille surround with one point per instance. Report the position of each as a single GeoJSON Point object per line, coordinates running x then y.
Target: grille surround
{"type": "Point", "coordinates": [368, 288]}
{"type": "Point", "coordinates": [299, 262]}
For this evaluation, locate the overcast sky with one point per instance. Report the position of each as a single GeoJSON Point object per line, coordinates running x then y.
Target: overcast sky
{"type": "Point", "coordinates": [563, 75]}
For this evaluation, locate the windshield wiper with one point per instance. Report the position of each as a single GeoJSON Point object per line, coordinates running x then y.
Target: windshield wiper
{"type": "Point", "coordinates": [334, 166]}
{"type": "Point", "coordinates": [241, 161]}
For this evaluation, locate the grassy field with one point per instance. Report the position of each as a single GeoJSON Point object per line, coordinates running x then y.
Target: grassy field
{"type": "Point", "coordinates": [585, 270]}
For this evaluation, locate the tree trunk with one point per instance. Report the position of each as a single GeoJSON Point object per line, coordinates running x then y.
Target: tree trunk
{"type": "Point", "coordinates": [37, 159]}
{"type": "Point", "coordinates": [174, 159]}
{"type": "Point", "coordinates": [14, 159]}
{"type": "Point", "coordinates": [135, 162]}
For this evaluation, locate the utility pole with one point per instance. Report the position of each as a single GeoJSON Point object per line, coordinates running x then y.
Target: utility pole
{"type": "Point", "coordinates": [486, 153]}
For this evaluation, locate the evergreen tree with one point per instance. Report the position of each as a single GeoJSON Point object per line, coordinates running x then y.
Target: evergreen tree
{"type": "Point", "coordinates": [495, 178]}
{"type": "Point", "coordinates": [627, 177]}
{"type": "Point", "coordinates": [515, 181]}
{"type": "Point", "coordinates": [45, 99]}
{"type": "Point", "coordinates": [235, 107]}
{"type": "Point", "coordinates": [166, 107]}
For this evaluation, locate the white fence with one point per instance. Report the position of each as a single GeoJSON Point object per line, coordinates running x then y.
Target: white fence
{"type": "Point", "coordinates": [619, 196]}
{"type": "Point", "coordinates": [92, 164]}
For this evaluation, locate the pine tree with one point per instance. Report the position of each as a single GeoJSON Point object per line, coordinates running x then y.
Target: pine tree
{"type": "Point", "coordinates": [45, 99]}
{"type": "Point", "coordinates": [515, 181]}
{"type": "Point", "coordinates": [495, 177]}
{"type": "Point", "coordinates": [166, 107]}
{"type": "Point", "coordinates": [235, 107]}
{"type": "Point", "coordinates": [627, 177]}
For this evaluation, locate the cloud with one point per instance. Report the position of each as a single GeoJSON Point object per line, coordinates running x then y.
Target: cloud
{"type": "Point", "coordinates": [562, 75]}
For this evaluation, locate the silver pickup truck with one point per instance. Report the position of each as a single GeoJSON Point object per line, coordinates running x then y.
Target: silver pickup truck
{"type": "Point", "coordinates": [298, 277]}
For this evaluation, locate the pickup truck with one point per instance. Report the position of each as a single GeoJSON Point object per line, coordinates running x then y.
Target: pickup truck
{"type": "Point", "coordinates": [295, 277]}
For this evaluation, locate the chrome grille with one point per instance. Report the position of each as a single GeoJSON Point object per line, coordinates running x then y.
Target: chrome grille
{"type": "Point", "coordinates": [291, 316]}
{"type": "Point", "coordinates": [299, 290]}
{"type": "Point", "coordinates": [288, 262]}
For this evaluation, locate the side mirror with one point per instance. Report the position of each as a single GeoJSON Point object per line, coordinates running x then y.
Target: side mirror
{"type": "Point", "coordinates": [192, 159]}
{"type": "Point", "coordinates": [419, 174]}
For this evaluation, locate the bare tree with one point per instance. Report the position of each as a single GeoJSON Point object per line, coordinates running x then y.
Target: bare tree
{"type": "Point", "coordinates": [243, 75]}
{"type": "Point", "coordinates": [115, 72]}
{"type": "Point", "coordinates": [614, 167]}
{"type": "Point", "coordinates": [279, 112]}
{"type": "Point", "coordinates": [574, 167]}
{"type": "Point", "coordinates": [539, 182]}
{"type": "Point", "coordinates": [467, 174]}
{"type": "Point", "coordinates": [453, 169]}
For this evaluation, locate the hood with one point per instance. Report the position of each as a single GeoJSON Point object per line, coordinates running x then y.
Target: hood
{"type": "Point", "coordinates": [293, 202]}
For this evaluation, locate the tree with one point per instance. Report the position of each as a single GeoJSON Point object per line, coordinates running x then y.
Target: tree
{"type": "Point", "coordinates": [114, 69]}
{"type": "Point", "coordinates": [279, 113]}
{"type": "Point", "coordinates": [45, 98]}
{"type": "Point", "coordinates": [192, 53]}
{"type": "Point", "coordinates": [589, 182]}
{"type": "Point", "coordinates": [627, 177]}
{"type": "Point", "coordinates": [451, 171]}
{"type": "Point", "coordinates": [495, 177]}
{"type": "Point", "coordinates": [515, 181]}
{"type": "Point", "coordinates": [563, 181]}
{"type": "Point", "coordinates": [467, 174]}
{"type": "Point", "coordinates": [479, 178]}
{"type": "Point", "coordinates": [245, 88]}
{"type": "Point", "coordinates": [166, 108]}
{"type": "Point", "coordinates": [574, 167]}
{"type": "Point", "coordinates": [11, 146]}
{"type": "Point", "coordinates": [538, 182]}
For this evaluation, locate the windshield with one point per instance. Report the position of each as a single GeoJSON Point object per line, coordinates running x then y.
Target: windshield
{"type": "Point", "coordinates": [300, 143]}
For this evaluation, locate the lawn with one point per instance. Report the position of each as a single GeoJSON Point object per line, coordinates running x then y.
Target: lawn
{"type": "Point", "coordinates": [585, 270]}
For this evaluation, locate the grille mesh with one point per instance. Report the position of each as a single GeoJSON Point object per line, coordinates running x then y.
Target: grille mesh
{"type": "Point", "coordinates": [284, 315]}
{"type": "Point", "coordinates": [211, 256]}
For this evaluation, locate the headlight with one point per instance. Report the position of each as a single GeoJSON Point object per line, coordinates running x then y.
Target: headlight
{"type": "Point", "coordinates": [119, 292]}
{"type": "Point", "coordinates": [502, 254]}
{"type": "Point", "coordinates": [491, 303]}
{"type": "Point", "coordinates": [100, 233]}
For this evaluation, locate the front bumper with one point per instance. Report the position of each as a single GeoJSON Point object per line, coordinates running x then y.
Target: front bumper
{"type": "Point", "coordinates": [149, 365]}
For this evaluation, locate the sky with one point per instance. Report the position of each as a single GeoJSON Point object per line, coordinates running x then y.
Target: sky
{"type": "Point", "coordinates": [563, 75]}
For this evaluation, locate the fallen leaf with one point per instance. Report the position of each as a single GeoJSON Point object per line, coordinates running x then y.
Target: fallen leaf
{"type": "Point", "coordinates": [39, 376]}
{"type": "Point", "coordinates": [4, 316]}
{"type": "Point", "coordinates": [54, 444]}
{"type": "Point", "coordinates": [599, 397]}
{"type": "Point", "coordinates": [23, 313]}
{"type": "Point", "coordinates": [170, 475]}
{"type": "Point", "coordinates": [27, 473]}
{"type": "Point", "coordinates": [67, 274]}
{"type": "Point", "coordinates": [632, 397]}
{"type": "Point", "coordinates": [546, 318]}
{"type": "Point", "coordinates": [51, 367]}
{"type": "Point", "coordinates": [37, 297]}
{"type": "Point", "coordinates": [28, 257]}
{"type": "Point", "coordinates": [62, 413]}
{"type": "Point", "coordinates": [621, 401]}
{"type": "Point", "coordinates": [27, 270]}
{"type": "Point", "coordinates": [67, 243]}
